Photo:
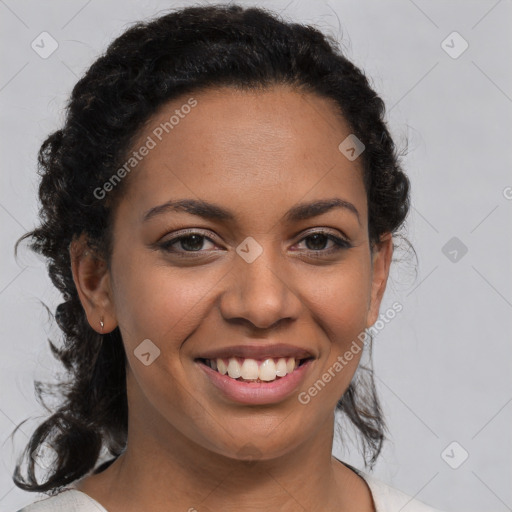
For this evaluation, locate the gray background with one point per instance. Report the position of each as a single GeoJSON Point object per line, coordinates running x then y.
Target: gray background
{"type": "Point", "coordinates": [443, 364]}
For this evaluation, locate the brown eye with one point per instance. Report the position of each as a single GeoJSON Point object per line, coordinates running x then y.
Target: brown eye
{"type": "Point", "coordinates": [317, 242]}
{"type": "Point", "coordinates": [189, 243]}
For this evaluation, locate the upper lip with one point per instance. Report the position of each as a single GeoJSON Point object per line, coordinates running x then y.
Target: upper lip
{"type": "Point", "coordinates": [254, 351]}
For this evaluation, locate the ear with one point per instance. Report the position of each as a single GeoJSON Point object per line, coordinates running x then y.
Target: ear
{"type": "Point", "coordinates": [92, 281]}
{"type": "Point", "coordinates": [381, 261]}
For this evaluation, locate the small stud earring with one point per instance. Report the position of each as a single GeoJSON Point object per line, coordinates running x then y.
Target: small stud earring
{"type": "Point", "coordinates": [102, 325]}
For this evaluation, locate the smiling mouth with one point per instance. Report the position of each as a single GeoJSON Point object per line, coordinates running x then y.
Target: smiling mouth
{"type": "Point", "coordinates": [254, 370]}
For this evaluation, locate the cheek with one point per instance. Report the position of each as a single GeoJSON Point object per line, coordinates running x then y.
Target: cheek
{"type": "Point", "coordinates": [340, 299]}
{"type": "Point", "coordinates": [164, 305]}
{"type": "Point", "coordinates": [159, 302]}
{"type": "Point", "coordinates": [340, 302]}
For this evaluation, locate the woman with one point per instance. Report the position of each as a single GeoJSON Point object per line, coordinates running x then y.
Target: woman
{"type": "Point", "coordinates": [219, 212]}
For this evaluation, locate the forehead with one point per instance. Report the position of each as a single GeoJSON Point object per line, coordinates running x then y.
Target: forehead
{"type": "Point", "coordinates": [239, 145]}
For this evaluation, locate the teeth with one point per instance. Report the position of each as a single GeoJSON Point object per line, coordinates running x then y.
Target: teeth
{"type": "Point", "coordinates": [234, 369]}
{"type": "Point", "coordinates": [281, 369]}
{"type": "Point", "coordinates": [268, 370]}
{"type": "Point", "coordinates": [251, 369]}
{"type": "Point", "coordinates": [221, 366]}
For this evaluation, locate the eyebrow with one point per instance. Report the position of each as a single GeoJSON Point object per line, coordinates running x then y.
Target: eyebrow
{"type": "Point", "coordinates": [212, 211]}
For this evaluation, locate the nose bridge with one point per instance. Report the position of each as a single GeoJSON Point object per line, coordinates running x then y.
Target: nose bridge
{"type": "Point", "coordinates": [259, 290]}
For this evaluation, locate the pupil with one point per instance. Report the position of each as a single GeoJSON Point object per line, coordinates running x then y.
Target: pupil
{"type": "Point", "coordinates": [316, 237]}
{"type": "Point", "coordinates": [191, 246]}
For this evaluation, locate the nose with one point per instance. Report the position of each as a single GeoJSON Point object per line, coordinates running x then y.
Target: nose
{"type": "Point", "coordinates": [260, 293]}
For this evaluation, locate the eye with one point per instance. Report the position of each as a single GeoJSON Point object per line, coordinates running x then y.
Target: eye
{"type": "Point", "coordinates": [191, 242]}
{"type": "Point", "coordinates": [319, 239]}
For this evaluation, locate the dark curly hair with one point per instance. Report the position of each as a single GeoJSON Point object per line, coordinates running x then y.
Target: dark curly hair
{"type": "Point", "coordinates": [153, 62]}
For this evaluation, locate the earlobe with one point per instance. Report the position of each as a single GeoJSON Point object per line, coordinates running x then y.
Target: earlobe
{"type": "Point", "coordinates": [92, 281]}
{"type": "Point", "coordinates": [381, 262]}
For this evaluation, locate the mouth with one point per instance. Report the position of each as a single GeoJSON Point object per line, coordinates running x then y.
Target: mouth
{"type": "Point", "coordinates": [256, 374]}
{"type": "Point", "coordinates": [254, 370]}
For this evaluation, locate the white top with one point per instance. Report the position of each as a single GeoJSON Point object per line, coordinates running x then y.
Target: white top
{"type": "Point", "coordinates": [385, 498]}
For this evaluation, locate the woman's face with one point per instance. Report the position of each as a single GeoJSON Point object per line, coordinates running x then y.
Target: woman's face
{"type": "Point", "coordinates": [257, 278]}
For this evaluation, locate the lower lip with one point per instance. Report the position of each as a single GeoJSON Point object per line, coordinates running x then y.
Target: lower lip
{"type": "Point", "coordinates": [255, 392]}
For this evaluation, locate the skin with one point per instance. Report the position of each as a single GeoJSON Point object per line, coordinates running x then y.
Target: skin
{"type": "Point", "coordinates": [256, 154]}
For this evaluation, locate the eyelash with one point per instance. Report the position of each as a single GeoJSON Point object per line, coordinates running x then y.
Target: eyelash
{"type": "Point", "coordinates": [340, 244]}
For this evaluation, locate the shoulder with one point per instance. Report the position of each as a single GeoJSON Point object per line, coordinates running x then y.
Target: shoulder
{"type": "Point", "coordinates": [389, 499]}
{"type": "Point", "coordinates": [68, 500]}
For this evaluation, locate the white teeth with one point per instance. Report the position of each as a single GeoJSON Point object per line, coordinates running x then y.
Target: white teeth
{"type": "Point", "coordinates": [281, 369]}
{"type": "Point", "coordinates": [221, 367]}
{"type": "Point", "coordinates": [234, 370]}
{"type": "Point", "coordinates": [251, 369]}
{"type": "Point", "coordinates": [268, 370]}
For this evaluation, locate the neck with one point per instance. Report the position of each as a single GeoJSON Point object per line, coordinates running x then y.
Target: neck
{"type": "Point", "coordinates": [162, 469]}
